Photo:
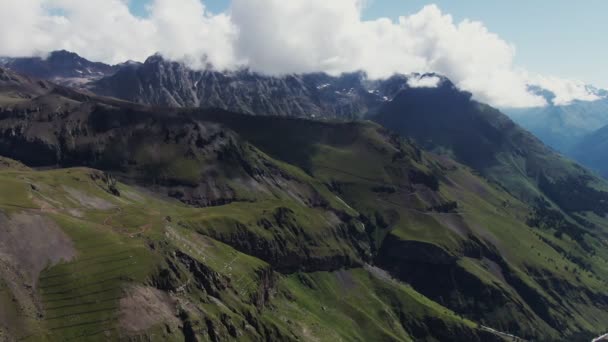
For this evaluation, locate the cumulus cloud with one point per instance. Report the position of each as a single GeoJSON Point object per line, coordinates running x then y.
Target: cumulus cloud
{"type": "Point", "coordinates": [565, 91]}
{"type": "Point", "coordinates": [423, 81]}
{"type": "Point", "coordinates": [24, 27]}
{"type": "Point", "coordinates": [280, 37]}
{"type": "Point", "coordinates": [105, 30]}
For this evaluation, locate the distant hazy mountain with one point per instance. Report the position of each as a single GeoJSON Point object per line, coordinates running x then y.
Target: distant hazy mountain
{"type": "Point", "coordinates": [592, 151]}
{"type": "Point", "coordinates": [62, 67]}
{"type": "Point", "coordinates": [563, 127]}
{"type": "Point", "coordinates": [575, 130]}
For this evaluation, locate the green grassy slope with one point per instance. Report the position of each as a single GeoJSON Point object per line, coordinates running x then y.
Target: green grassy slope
{"type": "Point", "coordinates": [210, 225]}
{"type": "Point", "coordinates": [137, 241]}
{"type": "Point", "coordinates": [467, 245]}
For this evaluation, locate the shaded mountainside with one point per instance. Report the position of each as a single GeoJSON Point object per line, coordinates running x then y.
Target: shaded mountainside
{"type": "Point", "coordinates": [16, 88]}
{"type": "Point", "coordinates": [60, 66]}
{"type": "Point", "coordinates": [448, 121]}
{"type": "Point", "coordinates": [576, 129]}
{"type": "Point", "coordinates": [591, 151]}
{"type": "Point", "coordinates": [210, 225]}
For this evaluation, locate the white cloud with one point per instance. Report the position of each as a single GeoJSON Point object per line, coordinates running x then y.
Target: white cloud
{"type": "Point", "coordinates": [565, 91]}
{"type": "Point", "coordinates": [330, 36]}
{"type": "Point", "coordinates": [24, 27]}
{"type": "Point", "coordinates": [278, 37]}
{"type": "Point", "coordinates": [183, 29]}
{"type": "Point", "coordinates": [423, 81]}
{"type": "Point", "coordinates": [105, 30]}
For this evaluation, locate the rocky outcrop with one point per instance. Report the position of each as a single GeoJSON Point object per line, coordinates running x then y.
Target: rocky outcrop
{"type": "Point", "coordinates": [63, 67]}
{"type": "Point", "coordinates": [166, 83]}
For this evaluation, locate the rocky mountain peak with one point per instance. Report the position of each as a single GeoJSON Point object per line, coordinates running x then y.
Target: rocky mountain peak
{"type": "Point", "coordinates": [64, 67]}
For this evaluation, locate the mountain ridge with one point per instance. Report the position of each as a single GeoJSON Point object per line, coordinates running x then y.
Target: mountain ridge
{"type": "Point", "coordinates": [590, 151]}
{"type": "Point", "coordinates": [161, 82]}
{"type": "Point", "coordinates": [563, 126]}
{"type": "Point", "coordinates": [61, 66]}
{"type": "Point", "coordinates": [448, 121]}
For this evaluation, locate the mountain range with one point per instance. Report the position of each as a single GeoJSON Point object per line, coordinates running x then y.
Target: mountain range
{"type": "Point", "coordinates": [201, 205]}
{"type": "Point", "coordinates": [165, 83]}
{"type": "Point", "coordinates": [62, 67]}
{"type": "Point", "coordinates": [572, 129]}
{"type": "Point", "coordinates": [590, 151]}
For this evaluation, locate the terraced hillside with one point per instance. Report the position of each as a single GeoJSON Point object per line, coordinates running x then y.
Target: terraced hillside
{"type": "Point", "coordinates": [209, 225]}
{"type": "Point", "coordinates": [88, 259]}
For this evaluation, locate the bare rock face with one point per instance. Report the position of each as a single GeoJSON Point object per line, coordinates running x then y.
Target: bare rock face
{"type": "Point", "coordinates": [29, 243]}
{"type": "Point", "coordinates": [173, 84]}
{"type": "Point", "coordinates": [165, 83]}
{"type": "Point", "coordinates": [144, 307]}
{"type": "Point", "coordinates": [62, 67]}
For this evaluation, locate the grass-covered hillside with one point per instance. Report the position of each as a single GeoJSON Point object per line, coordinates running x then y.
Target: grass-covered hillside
{"type": "Point", "coordinates": [564, 195]}
{"type": "Point", "coordinates": [142, 223]}
{"type": "Point", "coordinates": [87, 258]}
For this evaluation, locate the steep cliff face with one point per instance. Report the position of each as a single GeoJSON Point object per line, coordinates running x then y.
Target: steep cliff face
{"type": "Point", "coordinates": [165, 83]}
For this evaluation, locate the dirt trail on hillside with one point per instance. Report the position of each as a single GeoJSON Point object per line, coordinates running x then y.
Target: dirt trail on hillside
{"type": "Point", "coordinates": [141, 229]}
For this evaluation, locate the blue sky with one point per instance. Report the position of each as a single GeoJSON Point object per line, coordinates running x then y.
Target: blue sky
{"type": "Point", "coordinates": [552, 37]}
{"type": "Point", "coordinates": [566, 38]}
